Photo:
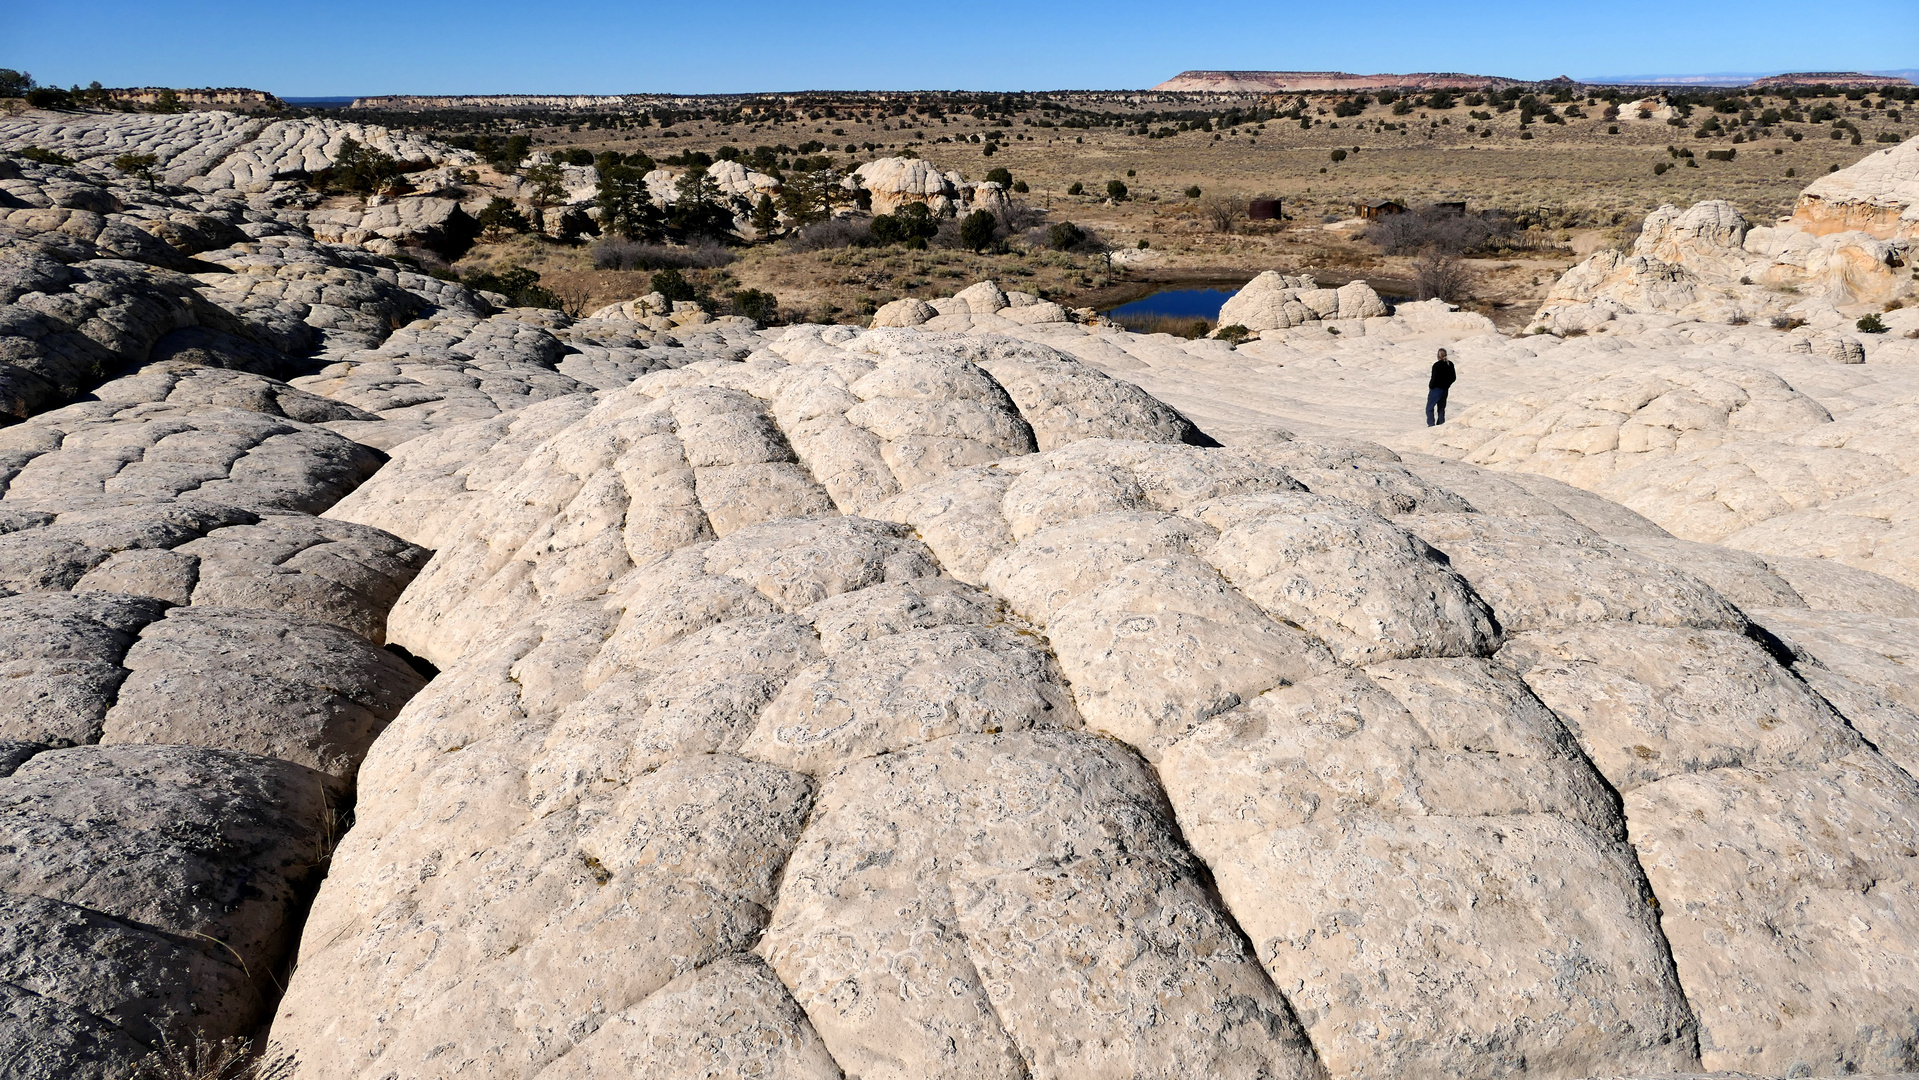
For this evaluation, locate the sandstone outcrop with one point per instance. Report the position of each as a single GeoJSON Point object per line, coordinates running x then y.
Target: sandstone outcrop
{"type": "Point", "coordinates": [1844, 248]}
{"type": "Point", "coordinates": [936, 698]}
{"type": "Point", "coordinates": [1274, 301]}
{"type": "Point", "coordinates": [1879, 196]}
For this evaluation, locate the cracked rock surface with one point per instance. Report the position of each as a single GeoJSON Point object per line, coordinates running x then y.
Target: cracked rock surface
{"type": "Point", "coordinates": [483, 692]}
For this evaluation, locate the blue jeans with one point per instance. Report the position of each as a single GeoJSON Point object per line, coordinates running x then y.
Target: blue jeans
{"type": "Point", "coordinates": [1436, 405]}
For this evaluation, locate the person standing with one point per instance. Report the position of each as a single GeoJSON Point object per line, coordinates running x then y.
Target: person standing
{"type": "Point", "coordinates": [1443, 378]}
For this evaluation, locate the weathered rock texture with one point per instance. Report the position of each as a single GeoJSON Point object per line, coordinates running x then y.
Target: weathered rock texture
{"type": "Point", "coordinates": [946, 738]}
{"type": "Point", "coordinates": [924, 701]}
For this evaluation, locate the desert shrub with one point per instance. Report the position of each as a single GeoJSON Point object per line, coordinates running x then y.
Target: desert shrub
{"type": "Point", "coordinates": [1221, 212]}
{"type": "Point", "coordinates": [45, 157]}
{"type": "Point", "coordinates": [519, 284]}
{"type": "Point", "coordinates": [1660, 168]}
{"type": "Point", "coordinates": [499, 218]}
{"type": "Point", "coordinates": [1234, 333]}
{"type": "Point", "coordinates": [1871, 324]}
{"type": "Point", "coordinates": [1193, 192]}
{"type": "Point", "coordinates": [1020, 187]}
{"type": "Point", "coordinates": [138, 166]}
{"type": "Point", "coordinates": [912, 224]}
{"type": "Point", "coordinates": [978, 231]}
{"type": "Point", "coordinates": [1116, 190]}
{"type": "Point", "coordinates": [1445, 231]}
{"type": "Point", "coordinates": [1076, 188]}
{"type": "Point", "coordinates": [831, 234]}
{"type": "Point", "coordinates": [618, 253]}
{"type": "Point", "coordinates": [15, 84]}
{"type": "Point", "coordinates": [1437, 275]}
{"type": "Point", "coordinates": [1002, 177]}
{"type": "Point", "coordinates": [673, 285]}
{"type": "Point", "coordinates": [1338, 155]}
{"type": "Point", "coordinates": [574, 156]}
{"type": "Point", "coordinates": [1064, 235]}
{"type": "Point", "coordinates": [756, 304]}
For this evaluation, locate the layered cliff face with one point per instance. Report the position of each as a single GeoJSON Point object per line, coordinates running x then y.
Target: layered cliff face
{"type": "Point", "coordinates": [485, 692]}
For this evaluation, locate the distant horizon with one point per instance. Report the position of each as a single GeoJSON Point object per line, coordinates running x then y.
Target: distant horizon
{"type": "Point", "coordinates": [1698, 78]}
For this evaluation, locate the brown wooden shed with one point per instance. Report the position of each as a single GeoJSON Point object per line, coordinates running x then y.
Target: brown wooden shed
{"type": "Point", "coordinates": [1378, 208]}
{"type": "Point", "coordinates": [1263, 210]}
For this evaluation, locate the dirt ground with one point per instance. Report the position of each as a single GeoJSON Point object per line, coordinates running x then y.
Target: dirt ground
{"type": "Point", "coordinates": [1576, 184]}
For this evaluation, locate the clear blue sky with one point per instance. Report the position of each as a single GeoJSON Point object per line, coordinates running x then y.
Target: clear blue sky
{"type": "Point", "coordinates": [702, 46]}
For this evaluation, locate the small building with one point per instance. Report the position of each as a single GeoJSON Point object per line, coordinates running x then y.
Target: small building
{"type": "Point", "coordinates": [1378, 208]}
{"type": "Point", "coordinates": [1264, 210]}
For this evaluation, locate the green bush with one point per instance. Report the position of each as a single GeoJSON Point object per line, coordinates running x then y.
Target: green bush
{"type": "Point", "coordinates": [1116, 190]}
{"type": "Point", "coordinates": [1064, 235]}
{"type": "Point", "coordinates": [671, 284]}
{"type": "Point", "coordinates": [356, 168]}
{"type": "Point", "coordinates": [1234, 333]}
{"type": "Point", "coordinates": [1871, 324]}
{"type": "Point", "coordinates": [138, 166]}
{"type": "Point", "coordinates": [912, 224]}
{"type": "Point", "coordinates": [760, 306]}
{"type": "Point", "coordinates": [978, 231]}
{"type": "Point", "coordinates": [1002, 177]}
{"type": "Point", "coordinates": [1338, 155]}
{"type": "Point", "coordinates": [1076, 188]}
{"type": "Point", "coordinates": [1193, 192]}
{"type": "Point", "coordinates": [1020, 188]}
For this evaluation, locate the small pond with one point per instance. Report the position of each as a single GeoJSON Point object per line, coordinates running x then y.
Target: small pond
{"type": "Point", "coordinates": [1176, 304]}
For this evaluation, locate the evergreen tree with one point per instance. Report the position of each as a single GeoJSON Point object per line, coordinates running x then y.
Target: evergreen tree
{"type": "Point", "coordinates": [701, 208]}
{"type": "Point", "coordinates": [766, 217]}
{"type": "Point", "coordinates": [626, 209]}
{"type": "Point", "coordinates": [547, 185]}
{"type": "Point", "coordinates": [977, 230]}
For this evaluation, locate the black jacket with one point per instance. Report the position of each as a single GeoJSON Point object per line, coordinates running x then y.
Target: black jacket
{"type": "Point", "coordinates": [1443, 375]}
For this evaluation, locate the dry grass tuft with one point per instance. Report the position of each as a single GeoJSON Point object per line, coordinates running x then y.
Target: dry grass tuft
{"type": "Point", "coordinates": [201, 1058]}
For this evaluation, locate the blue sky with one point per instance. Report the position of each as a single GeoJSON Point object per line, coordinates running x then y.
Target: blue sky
{"type": "Point", "coordinates": [595, 46]}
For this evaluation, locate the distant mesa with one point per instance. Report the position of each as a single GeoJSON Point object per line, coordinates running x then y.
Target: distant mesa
{"type": "Point", "coordinates": [1264, 82]}
{"type": "Point", "coordinates": [1829, 78]}
{"type": "Point", "coordinates": [224, 97]}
